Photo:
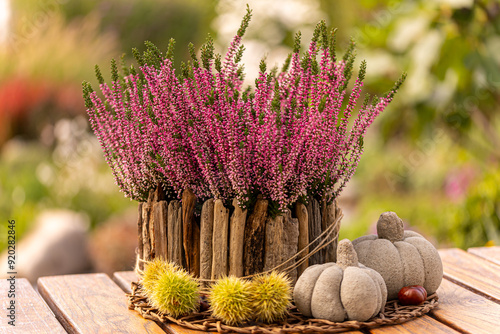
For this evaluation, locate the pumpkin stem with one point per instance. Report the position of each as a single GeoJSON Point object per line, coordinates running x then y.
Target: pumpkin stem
{"type": "Point", "coordinates": [390, 227]}
{"type": "Point", "coordinates": [346, 255]}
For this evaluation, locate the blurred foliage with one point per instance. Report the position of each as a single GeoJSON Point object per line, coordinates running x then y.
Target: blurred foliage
{"type": "Point", "coordinates": [440, 141]}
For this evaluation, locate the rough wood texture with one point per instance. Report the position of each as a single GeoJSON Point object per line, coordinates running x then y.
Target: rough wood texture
{"type": "Point", "coordinates": [236, 236]}
{"type": "Point", "coordinates": [146, 239]}
{"type": "Point", "coordinates": [206, 234]}
{"type": "Point", "coordinates": [491, 254]}
{"type": "Point", "coordinates": [472, 271]}
{"type": "Point", "coordinates": [140, 252]}
{"type": "Point", "coordinates": [466, 311]}
{"type": "Point", "coordinates": [303, 220]}
{"type": "Point", "coordinates": [291, 240]}
{"type": "Point", "coordinates": [32, 314]}
{"type": "Point", "coordinates": [124, 278]}
{"type": "Point", "coordinates": [274, 242]}
{"type": "Point", "coordinates": [174, 242]}
{"type": "Point", "coordinates": [191, 247]}
{"type": "Point", "coordinates": [160, 229]}
{"type": "Point", "coordinates": [92, 303]}
{"type": "Point", "coordinates": [253, 252]}
{"type": "Point", "coordinates": [314, 216]}
{"type": "Point", "coordinates": [423, 324]}
{"type": "Point", "coordinates": [328, 215]}
{"type": "Point", "coordinates": [220, 240]}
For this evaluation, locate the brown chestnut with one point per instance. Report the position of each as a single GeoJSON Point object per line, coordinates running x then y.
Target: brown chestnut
{"type": "Point", "coordinates": [412, 295]}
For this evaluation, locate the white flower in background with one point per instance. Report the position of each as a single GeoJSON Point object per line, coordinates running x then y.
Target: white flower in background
{"type": "Point", "coordinates": [4, 20]}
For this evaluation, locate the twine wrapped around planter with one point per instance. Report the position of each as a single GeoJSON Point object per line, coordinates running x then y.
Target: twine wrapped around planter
{"type": "Point", "coordinates": [215, 243]}
{"type": "Point", "coordinates": [394, 313]}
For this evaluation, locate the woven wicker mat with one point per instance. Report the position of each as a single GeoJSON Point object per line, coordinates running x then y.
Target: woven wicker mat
{"type": "Point", "coordinates": [394, 313]}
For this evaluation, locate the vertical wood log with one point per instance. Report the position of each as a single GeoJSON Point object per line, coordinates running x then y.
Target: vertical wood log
{"type": "Point", "coordinates": [327, 219]}
{"type": "Point", "coordinates": [237, 234]}
{"type": "Point", "coordinates": [188, 226]}
{"type": "Point", "coordinates": [314, 216]}
{"type": "Point", "coordinates": [206, 234]}
{"type": "Point", "coordinates": [146, 240]}
{"type": "Point", "coordinates": [301, 213]}
{"type": "Point", "coordinates": [140, 247]}
{"type": "Point", "coordinates": [220, 240]}
{"type": "Point", "coordinates": [174, 242]}
{"type": "Point", "coordinates": [160, 218]}
{"type": "Point", "coordinates": [253, 253]}
{"type": "Point", "coordinates": [336, 230]}
{"type": "Point", "coordinates": [290, 242]}
{"type": "Point", "coordinates": [274, 242]}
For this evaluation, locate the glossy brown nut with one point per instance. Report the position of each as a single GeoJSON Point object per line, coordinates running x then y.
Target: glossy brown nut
{"type": "Point", "coordinates": [412, 295]}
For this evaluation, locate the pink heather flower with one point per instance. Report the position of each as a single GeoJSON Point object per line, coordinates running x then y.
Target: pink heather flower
{"type": "Point", "coordinates": [288, 138]}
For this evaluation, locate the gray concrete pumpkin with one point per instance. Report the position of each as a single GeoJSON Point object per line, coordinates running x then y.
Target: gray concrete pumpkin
{"type": "Point", "coordinates": [403, 258]}
{"type": "Point", "coordinates": [342, 290]}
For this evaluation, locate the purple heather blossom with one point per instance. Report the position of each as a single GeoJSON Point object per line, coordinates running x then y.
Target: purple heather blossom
{"type": "Point", "coordinates": [288, 138]}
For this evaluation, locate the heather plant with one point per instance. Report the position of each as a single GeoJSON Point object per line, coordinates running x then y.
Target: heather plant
{"type": "Point", "coordinates": [288, 138]}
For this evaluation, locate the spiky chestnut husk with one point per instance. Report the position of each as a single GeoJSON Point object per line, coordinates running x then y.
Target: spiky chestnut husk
{"type": "Point", "coordinates": [230, 300]}
{"type": "Point", "coordinates": [271, 296]}
{"type": "Point", "coordinates": [152, 271]}
{"type": "Point", "coordinates": [175, 293]}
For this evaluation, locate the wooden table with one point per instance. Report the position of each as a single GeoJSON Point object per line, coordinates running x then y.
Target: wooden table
{"type": "Point", "coordinates": [469, 299]}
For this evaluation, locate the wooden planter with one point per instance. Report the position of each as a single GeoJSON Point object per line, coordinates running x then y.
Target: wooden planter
{"type": "Point", "coordinates": [217, 243]}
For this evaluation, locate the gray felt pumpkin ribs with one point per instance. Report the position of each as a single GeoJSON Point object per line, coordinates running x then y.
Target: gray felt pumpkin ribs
{"type": "Point", "coordinates": [403, 258]}
{"type": "Point", "coordinates": [342, 290]}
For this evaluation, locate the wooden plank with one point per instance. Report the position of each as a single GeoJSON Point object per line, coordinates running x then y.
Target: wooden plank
{"type": "Point", "coordinates": [423, 324]}
{"type": "Point", "coordinates": [191, 238]}
{"type": "Point", "coordinates": [465, 310]}
{"type": "Point", "coordinates": [160, 218]}
{"type": "Point", "coordinates": [174, 242]}
{"type": "Point", "coordinates": [236, 236]}
{"type": "Point", "coordinates": [301, 213]}
{"type": "Point", "coordinates": [124, 278]}
{"type": "Point", "coordinates": [274, 242]}
{"type": "Point", "coordinates": [92, 303]}
{"type": "Point", "coordinates": [206, 235]}
{"type": "Point", "coordinates": [290, 243]}
{"type": "Point", "coordinates": [253, 253]}
{"type": "Point", "coordinates": [491, 254]}
{"type": "Point", "coordinates": [220, 240]}
{"type": "Point", "coordinates": [31, 314]}
{"type": "Point", "coordinates": [314, 216]}
{"type": "Point", "coordinates": [472, 271]}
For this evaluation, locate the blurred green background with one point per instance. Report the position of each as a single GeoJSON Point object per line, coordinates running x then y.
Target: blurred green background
{"type": "Point", "coordinates": [432, 157]}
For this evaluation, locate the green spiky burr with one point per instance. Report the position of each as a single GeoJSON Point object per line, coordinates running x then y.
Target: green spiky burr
{"type": "Point", "coordinates": [152, 271]}
{"type": "Point", "coordinates": [230, 300]}
{"type": "Point", "coordinates": [175, 292]}
{"type": "Point", "coordinates": [270, 296]}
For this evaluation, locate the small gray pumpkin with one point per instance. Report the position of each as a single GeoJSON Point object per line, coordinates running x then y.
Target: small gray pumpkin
{"type": "Point", "coordinates": [403, 258]}
{"type": "Point", "coordinates": [342, 290]}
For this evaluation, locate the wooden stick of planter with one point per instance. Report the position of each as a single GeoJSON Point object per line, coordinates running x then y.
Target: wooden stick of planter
{"type": "Point", "coordinates": [140, 248]}
{"type": "Point", "coordinates": [314, 216]}
{"type": "Point", "coordinates": [219, 240]}
{"type": "Point", "coordinates": [191, 247]}
{"type": "Point", "coordinates": [274, 242]}
{"type": "Point", "coordinates": [301, 213]}
{"type": "Point", "coordinates": [327, 219]}
{"type": "Point", "coordinates": [206, 234]}
{"type": "Point", "coordinates": [237, 234]}
{"type": "Point", "coordinates": [160, 219]}
{"type": "Point", "coordinates": [174, 242]}
{"type": "Point", "coordinates": [253, 252]}
{"type": "Point", "coordinates": [290, 241]}
{"type": "Point", "coordinates": [146, 236]}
